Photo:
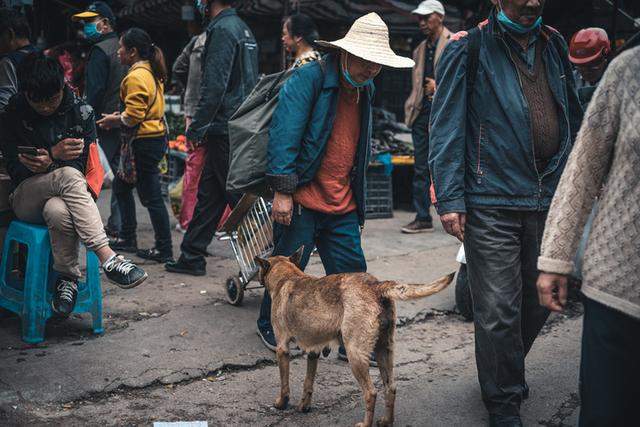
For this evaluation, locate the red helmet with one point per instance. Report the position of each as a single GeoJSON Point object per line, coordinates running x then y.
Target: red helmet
{"type": "Point", "coordinates": [589, 45]}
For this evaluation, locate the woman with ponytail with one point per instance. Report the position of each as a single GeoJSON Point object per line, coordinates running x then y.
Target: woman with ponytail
{"type": "Point", "coordinates": [299, 35]}
{"type": "Point", "coordinates": [144, 143]}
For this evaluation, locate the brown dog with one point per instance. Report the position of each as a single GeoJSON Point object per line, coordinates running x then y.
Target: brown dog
{"type": "Point", "coordinates": [354, 307]}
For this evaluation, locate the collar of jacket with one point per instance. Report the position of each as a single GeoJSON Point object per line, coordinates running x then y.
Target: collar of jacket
{"type": "Point", "coordinates": [332, 72]}
{"type": "Point", "coordinates": [227, 12]}
{"type": "Point", "coordinates": [104, 37]}
{"type": "Point", "coordinates": [141, 64]}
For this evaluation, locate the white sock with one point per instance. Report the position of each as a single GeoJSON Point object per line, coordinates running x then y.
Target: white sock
{"type": "Point", "coordinates": [109, 260]}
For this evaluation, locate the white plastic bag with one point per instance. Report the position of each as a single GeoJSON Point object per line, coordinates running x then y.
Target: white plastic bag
{"type": "Point", "coordinates": [108, 173]}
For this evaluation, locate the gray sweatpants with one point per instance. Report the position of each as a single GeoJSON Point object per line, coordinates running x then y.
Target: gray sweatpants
{"type": "Point", "coordinates": [60, 200]}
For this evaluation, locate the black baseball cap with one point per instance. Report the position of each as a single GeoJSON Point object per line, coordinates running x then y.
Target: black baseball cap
{"type": "Point", "coordinates": [98, 8]}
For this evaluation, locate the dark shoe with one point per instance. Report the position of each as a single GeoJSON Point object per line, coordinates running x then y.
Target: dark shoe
{"type": "Point", "coordinates": [65, 296]}
{"type": "Point", "coordinates": [112, 233]}
{"type": "Point", "coordinates": [123, 272]}
{"type": "Point", "coordinates": [267, 337]}
{"type": "Point", "coordinates": [525, 391]}
{"type": "Point", "coordinates": [496, 420]}
{"type": "Point", "coordinates": [418, 226]}
{"type": "Point", "coordinates": [342, 355]}
{"type": "Point", "coordinates": [183, 268]}
{"type": "Point", "coordinates": [124, 245]}
{"type": "Point", "coordinates": [154, 255]}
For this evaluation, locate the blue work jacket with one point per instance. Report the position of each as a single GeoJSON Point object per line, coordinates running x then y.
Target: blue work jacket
{"type": "Point", "coordinates": [481, 152]}
{"type": "Point", "coordinates": [301, 126]}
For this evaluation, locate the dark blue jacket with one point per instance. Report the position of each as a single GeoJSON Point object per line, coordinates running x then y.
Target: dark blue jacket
{"type": "Point", "coordinates": [302, 124]}
{"type": "Point", "coordinates": [229, 73]}
{"type": "Point", "coordinates": [481, 148]}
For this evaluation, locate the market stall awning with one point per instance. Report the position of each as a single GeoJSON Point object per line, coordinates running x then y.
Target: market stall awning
{"type": "Point", "coordinates": [397, 13]}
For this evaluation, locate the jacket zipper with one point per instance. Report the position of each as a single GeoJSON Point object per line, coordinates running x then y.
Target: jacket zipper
{"type": "Point", "coordinates": [528, 119]}
{"type": "Point", "coordinates": [478, 170]}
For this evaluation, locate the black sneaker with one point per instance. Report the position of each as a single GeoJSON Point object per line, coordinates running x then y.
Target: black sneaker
{"type": "Point", "coordinates": [267, 337]}
{"type": "Point", "coordinates": [124, 245]}
{"type": "Point", "coordinates": [525, 391]}
{"type": "Point", "coordinates": [183, 268]}
{"type": "Point", "coordinates": [342, 355]}
{"type": "Point", "coordinates": [65, 296]}
{"type": "Point", "coordinates": [154, 255]}
{"type": "Point", "coordinates": [418, 226]}
{"type": "Point", "coordinates": [123, 272]}
{"type": "Point", "coordinates": [498, 420]}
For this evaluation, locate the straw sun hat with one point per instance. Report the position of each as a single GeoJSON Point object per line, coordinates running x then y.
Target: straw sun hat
{"type": "Point", "coordinates": [368, 38]}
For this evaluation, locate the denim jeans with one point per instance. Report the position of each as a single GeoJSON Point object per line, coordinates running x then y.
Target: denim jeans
{"type": "Point", "coordinates": [147, 153]}
{"type": "Point", "coordinates": [502, 248]}
{"type": "Point", "coordinates": [337, 238]}
{"type": "Point", "coordinates": [421, 175]}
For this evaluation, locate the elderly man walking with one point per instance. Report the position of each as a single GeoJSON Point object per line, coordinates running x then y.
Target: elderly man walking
{"type": "Point", "coordinates": [319, 145]}
{"type": "Point", "coordinates": [503, 122]}
{"type": "Point", "coordinates": [604, 162]}
{"type": "Point", "coordinates": [417, 109]}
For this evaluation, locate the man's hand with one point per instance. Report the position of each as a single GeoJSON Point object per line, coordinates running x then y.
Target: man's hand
{"type": "Point", "coordinates": [282, 208]}
{"type": "Point", "coordinates": [109, 121]}
{"type": "Point", "coordinates": [429, 86]}
{"type": "Point", "coordinates": [36, 164]}
{"type": "Point", "coordinates": [453, 224]}
{"type": "Point", "coordinates": [68, 149]}
{"type": "Point", "coordinates": [552, 291]}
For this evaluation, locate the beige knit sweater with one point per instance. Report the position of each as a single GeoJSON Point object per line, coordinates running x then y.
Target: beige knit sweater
{"type": "Point", "coordinates": [606, 155]}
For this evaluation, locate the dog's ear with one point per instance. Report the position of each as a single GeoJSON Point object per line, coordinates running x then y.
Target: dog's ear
{"type": "Point", "coordinates": [296, 258]}
{"type": "Point", "coordinates": [263, 263]}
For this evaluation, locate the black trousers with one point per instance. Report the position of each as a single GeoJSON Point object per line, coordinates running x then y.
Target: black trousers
{"type": "Point", "coordinates": [147, 153]}
{"type": "Point", "coordinates": [212, 200]}
{"type": "Point", "coordinates": [502, 248]}
{"type": "Point", "coordinates": [610, 367]}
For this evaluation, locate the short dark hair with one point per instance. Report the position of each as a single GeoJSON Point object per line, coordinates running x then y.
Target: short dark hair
{"type": "Point", "coordinates": [11, 19]}
{"type": "Point", "coordinates": [40, 77]}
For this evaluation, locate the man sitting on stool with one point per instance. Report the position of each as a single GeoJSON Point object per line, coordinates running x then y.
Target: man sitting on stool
{"type": "Point", "coordinates": [50, 188]}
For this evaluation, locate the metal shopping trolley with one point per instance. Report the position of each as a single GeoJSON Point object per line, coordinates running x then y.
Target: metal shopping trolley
{"type": "Point", "coordinates": [250, 231]}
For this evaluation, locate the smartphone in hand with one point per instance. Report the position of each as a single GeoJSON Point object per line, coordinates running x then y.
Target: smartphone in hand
{"type": "Point", "coordinates": [24, 149]}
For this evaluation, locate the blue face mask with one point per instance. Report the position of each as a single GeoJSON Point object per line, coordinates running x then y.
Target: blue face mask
{"type": "Point", "coordinates": [517, 27]}
{"type": "Point", "coordinates": [347, 76]}
{"type": "Point", "coordinates": [91, 31]}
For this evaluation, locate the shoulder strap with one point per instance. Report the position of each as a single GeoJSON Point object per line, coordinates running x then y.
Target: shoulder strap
{"type": "Point", "coordinates": [473, 57]}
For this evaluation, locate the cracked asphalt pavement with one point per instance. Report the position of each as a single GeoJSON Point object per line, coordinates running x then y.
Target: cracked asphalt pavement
{"type": "Point", "coordinates": [174, 350]}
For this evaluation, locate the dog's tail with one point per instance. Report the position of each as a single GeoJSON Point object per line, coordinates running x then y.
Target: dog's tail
{"type": "Point", "coordinates": [398, 291]}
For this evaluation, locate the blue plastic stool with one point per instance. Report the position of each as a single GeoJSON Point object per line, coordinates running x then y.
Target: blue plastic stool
{"type": "Point", "coordinates": [31, 298]}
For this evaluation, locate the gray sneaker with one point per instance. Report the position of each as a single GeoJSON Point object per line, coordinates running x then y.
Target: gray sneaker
{"type": "Point", "coordinates": [418, 226]}
{"type": "Point", "coordinates": [124, 272]}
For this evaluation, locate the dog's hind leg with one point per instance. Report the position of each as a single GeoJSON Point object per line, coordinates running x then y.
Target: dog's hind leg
{"type": "Point", "coordinates": [312, 368]}
{"type": "Point", "coordinates": [384, 356]}
{"type": "Point", "coordinates": [359, 362]}
{"type": "Point", "coordinates": [282, 351]}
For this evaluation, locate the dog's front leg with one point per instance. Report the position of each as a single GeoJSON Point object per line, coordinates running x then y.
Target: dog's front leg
{"type": "Point", "coordinates": [312, 368]}
{"type": "Point", "coordinates": [283, 365]}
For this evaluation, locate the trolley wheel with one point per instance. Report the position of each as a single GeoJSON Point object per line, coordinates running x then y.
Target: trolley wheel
{"type": "Point", "coordinates": [235, 290]}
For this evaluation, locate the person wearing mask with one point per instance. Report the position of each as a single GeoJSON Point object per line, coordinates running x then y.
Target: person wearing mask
{"type": "Point", "coordinates": [142, 95]}
{"type": "Point", "coordinates": [229, 73]}
{"type": "Point", "coordinates": [430, 15]}
{"type": "Point", "coordinates": [299, 34]}
{"type": "Point", "coordinates": [500, 137]}
{"type": "Point", "coordinates": [589, 52]}
{"type": "Point", "coordinates": [187, 73]}
{"type": "Point", "coordinates": [319, 143]}
{"type": "Point", "coordinates": [14, 47]}
{"type": "Point", "coordinates": [604, 163]}
{"type": "Point", "coordinates": [49, 184]}
{"type": "Point", "coordinates": [103, 74]}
